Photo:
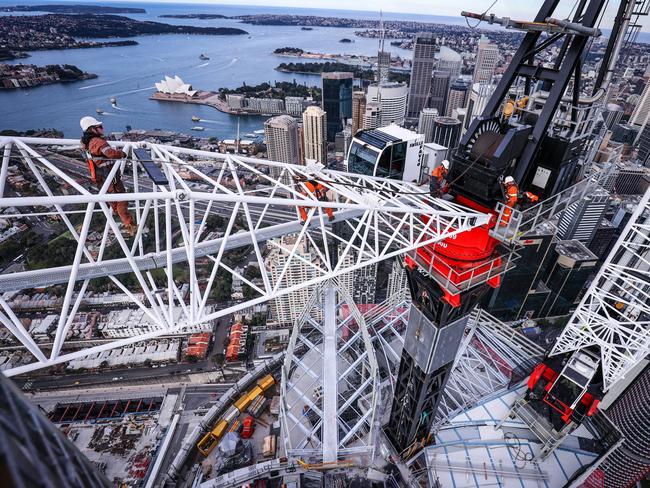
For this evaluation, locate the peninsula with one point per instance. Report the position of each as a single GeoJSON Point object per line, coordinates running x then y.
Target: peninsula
{"type": "Point", "coordinates": [28, 75]}
{"type": "Point", "coordinates": [61, 31]}
{"type": "Point", "coordinates": [193, 16]}
{"type": "Point", "coordinates": [74, 9]}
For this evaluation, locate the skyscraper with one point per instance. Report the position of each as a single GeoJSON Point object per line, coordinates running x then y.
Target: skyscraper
{"type": "Point", "coordinates": [457, 96]}
{"type": "Point", "coordinates": [643, 145]}
{"type": "Point", "coordinates": [337, 101]}
{"type": "Point", "coordinates": [486, 61]}
{"type": "Point", "coordinates": [383, 57]}
{"type": "Point", "coordinates": [425, 125]}
{"type": "Point", "coordinates": [372, 115]}
{"type": "Point", "coordinates": [314, 122]}
{"type": "Point", "coordinates": [641, 112]}
{"type": "Point", "coordinates": [358, 110]}
{"type": "Point", "coordinates": [392, 101]}
{"type": "Point", "coordinates": [478, 97]}
{"type": "Point", "coordinates": [449, 61]}
{"type": "Point", "coordinates": [446, 132]}
{"type": "Point", "coordinates": [282, 140]}
{"type": "Point", "coordinates": [439, 89]}
{"type": "Point", "coordinates": [581, 219]}
{"type": "Point", "coordinates": [424, 49]}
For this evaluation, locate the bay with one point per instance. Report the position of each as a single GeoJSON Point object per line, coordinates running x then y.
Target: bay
{"type": "Point", "coordinates": [129, 73]}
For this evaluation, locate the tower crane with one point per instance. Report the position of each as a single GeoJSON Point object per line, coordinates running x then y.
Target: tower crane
{"type": "Point", "coordinates": [536, 128]}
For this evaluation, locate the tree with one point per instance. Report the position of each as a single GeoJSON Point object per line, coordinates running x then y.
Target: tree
{"type": "Point", "coordinates": [192, 359]}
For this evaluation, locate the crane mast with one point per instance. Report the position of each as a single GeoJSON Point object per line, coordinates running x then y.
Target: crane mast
{"type": "Point", "coordinates": [536, 127]}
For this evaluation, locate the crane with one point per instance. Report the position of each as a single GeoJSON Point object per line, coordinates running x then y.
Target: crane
{"type": "Point", "coordinates": [176, 241]}
{"type": "Point", "coordinates": [536, 128]}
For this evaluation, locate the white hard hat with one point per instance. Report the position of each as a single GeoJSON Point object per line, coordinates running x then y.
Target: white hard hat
{"type": "Point", "coordinates": [509, 179]}
{"type": "Point", "coordinates": [445, 164]}
{"type": "Point", "coordinates": [88, 122]}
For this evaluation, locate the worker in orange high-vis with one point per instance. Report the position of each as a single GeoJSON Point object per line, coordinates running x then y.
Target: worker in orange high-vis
{"type": "Point", "coordinates": [511, 197]}
{"type": "Point", "coordinates": [320, 192]}
{"type": "Point", "coordinates": [438, 181]}
{"type": "Point", "coordinates": [101, 157]}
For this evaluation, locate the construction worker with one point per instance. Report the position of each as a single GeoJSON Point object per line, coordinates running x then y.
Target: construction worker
{"type": "Point", "coordinates": [101, 157]}
{"type": "Point", "coordinates": [438, 181]}
{"type": "Point", "coordinates": [320, 192]}
{"type": "Point", "coordinates": [511, 196]}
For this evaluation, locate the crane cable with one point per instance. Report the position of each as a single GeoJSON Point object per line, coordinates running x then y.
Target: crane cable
{"type": "Point", "coordinates": [473, 27]}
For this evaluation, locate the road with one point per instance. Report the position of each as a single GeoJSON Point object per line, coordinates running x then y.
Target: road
{"type": "Point", "coordinates": [125, 376]}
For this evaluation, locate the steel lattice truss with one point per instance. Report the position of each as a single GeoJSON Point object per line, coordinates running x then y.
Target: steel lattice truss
{"type": "Point", "coordinates": [175, 243]}
{"type": "Point", "coordinates": [330, 381]}
{"type": "Point", "coordinates": [614, 314]}
{"type": "Point", "coordinates": [489, 353]}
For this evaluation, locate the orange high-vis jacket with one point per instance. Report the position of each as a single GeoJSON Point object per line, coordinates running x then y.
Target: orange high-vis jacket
{"type": "Point", "coordinates": [512, 195]}
{"type": "Point", "coordinates": [439, 173]}
{"type": "Point", "coordinates": [98, 147]}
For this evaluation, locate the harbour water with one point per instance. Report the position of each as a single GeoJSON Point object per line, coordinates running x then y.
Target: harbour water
{"type": "Point", "coordinates": [129, 73]}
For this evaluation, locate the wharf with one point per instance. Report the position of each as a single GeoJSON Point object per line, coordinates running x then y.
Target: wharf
{"type": "Point", "coordinates": [209, 98]}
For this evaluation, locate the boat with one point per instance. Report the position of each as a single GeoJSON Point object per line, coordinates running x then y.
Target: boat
{"type": "Point", "coordinates": [203, 57]}
{"type": "Point", "coordinates": [114, 100]}
{"type": "Point", "coordinates": [195, 118]}
{"type": "Point", "coordinates": [198, 127]}
{"type": "Point", "coordinates": [250, 134]}
{"type": "Point", "coordinates": [99, 111]}
{"type": "Point", "coordinates": [260, 131]}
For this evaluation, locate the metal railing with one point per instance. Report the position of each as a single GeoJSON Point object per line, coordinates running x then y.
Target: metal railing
{"type": "Point", "coordinates": [458, 281]}
{"type": "Point", "coordinates": [512, 223]}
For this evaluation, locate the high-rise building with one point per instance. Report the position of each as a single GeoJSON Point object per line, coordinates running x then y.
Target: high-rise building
{"type": "Point", "coordinates": [629, 463]}
{"type": "Point", "coordinates": [287, 308]}
{"type": "Point", "coordinates": [383, 56]}
{"type": "Point", "coordinates": [439, 89]}
{"type": "Point", "coordinates": [358, 110]}
{"type": "Point", "coordinates": [383, 66]}
{"type": "Point", "coordinates": [314, 122]}
{"type": "Point", "coordinates": [581, 219]}
{"type": "Point", "coordinates": [446, 132]}
{"type": "Point", "coordinates": [477, 100]}
{"type": "Point", "coordinates": [425, 124]}
{"type": "Point", "coordinates": [643, 145]}
{"type": "Point", "coordinates": [486, 61]}
{"type": "Point", "coordinates": [365, 284]}
{"type": "Point", "coordinates": [372, 116]}
{"type": "Point", "coordinates": [397, 283]}
{"type": "Point", "coordinates": [641, 112]}
{"type": "Point", "coordinates": [392, 101]}
{"type": "Point", "coordinates": [449, 61]}
{"type": "Point", "coordinates": [567, 277]}
{"type": "Point", "coordinates": [282, 142]}
{"type": "Point", "coordinates": [337, 100]}
{"type": "Point", "coordinates": [424, 49]}
{"type": "Point", "coordinates": [457, 96]}
{"type": "Point", "coordinates": [612, 115]}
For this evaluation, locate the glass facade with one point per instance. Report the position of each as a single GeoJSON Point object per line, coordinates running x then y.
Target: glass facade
{"type": "Point", "coordinates": [337, 102]}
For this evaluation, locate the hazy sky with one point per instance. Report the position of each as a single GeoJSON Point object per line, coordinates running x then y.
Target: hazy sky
{"type": "Point", "coordinates": [516, 9]}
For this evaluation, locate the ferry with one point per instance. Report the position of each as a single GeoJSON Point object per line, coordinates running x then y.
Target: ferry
{"type": "Point", "coordinates": [114, 100]}
{"type": "Point", "coordinates": [99, 111]}
{"type": "Point", "coordinates": [198, 127]}
{"type": "Point", "coordinates": [203, 57]}
{"type": "Point", "coordinates": [260, 131]}
{"type": "Point", "coordinates": [195, 118]}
